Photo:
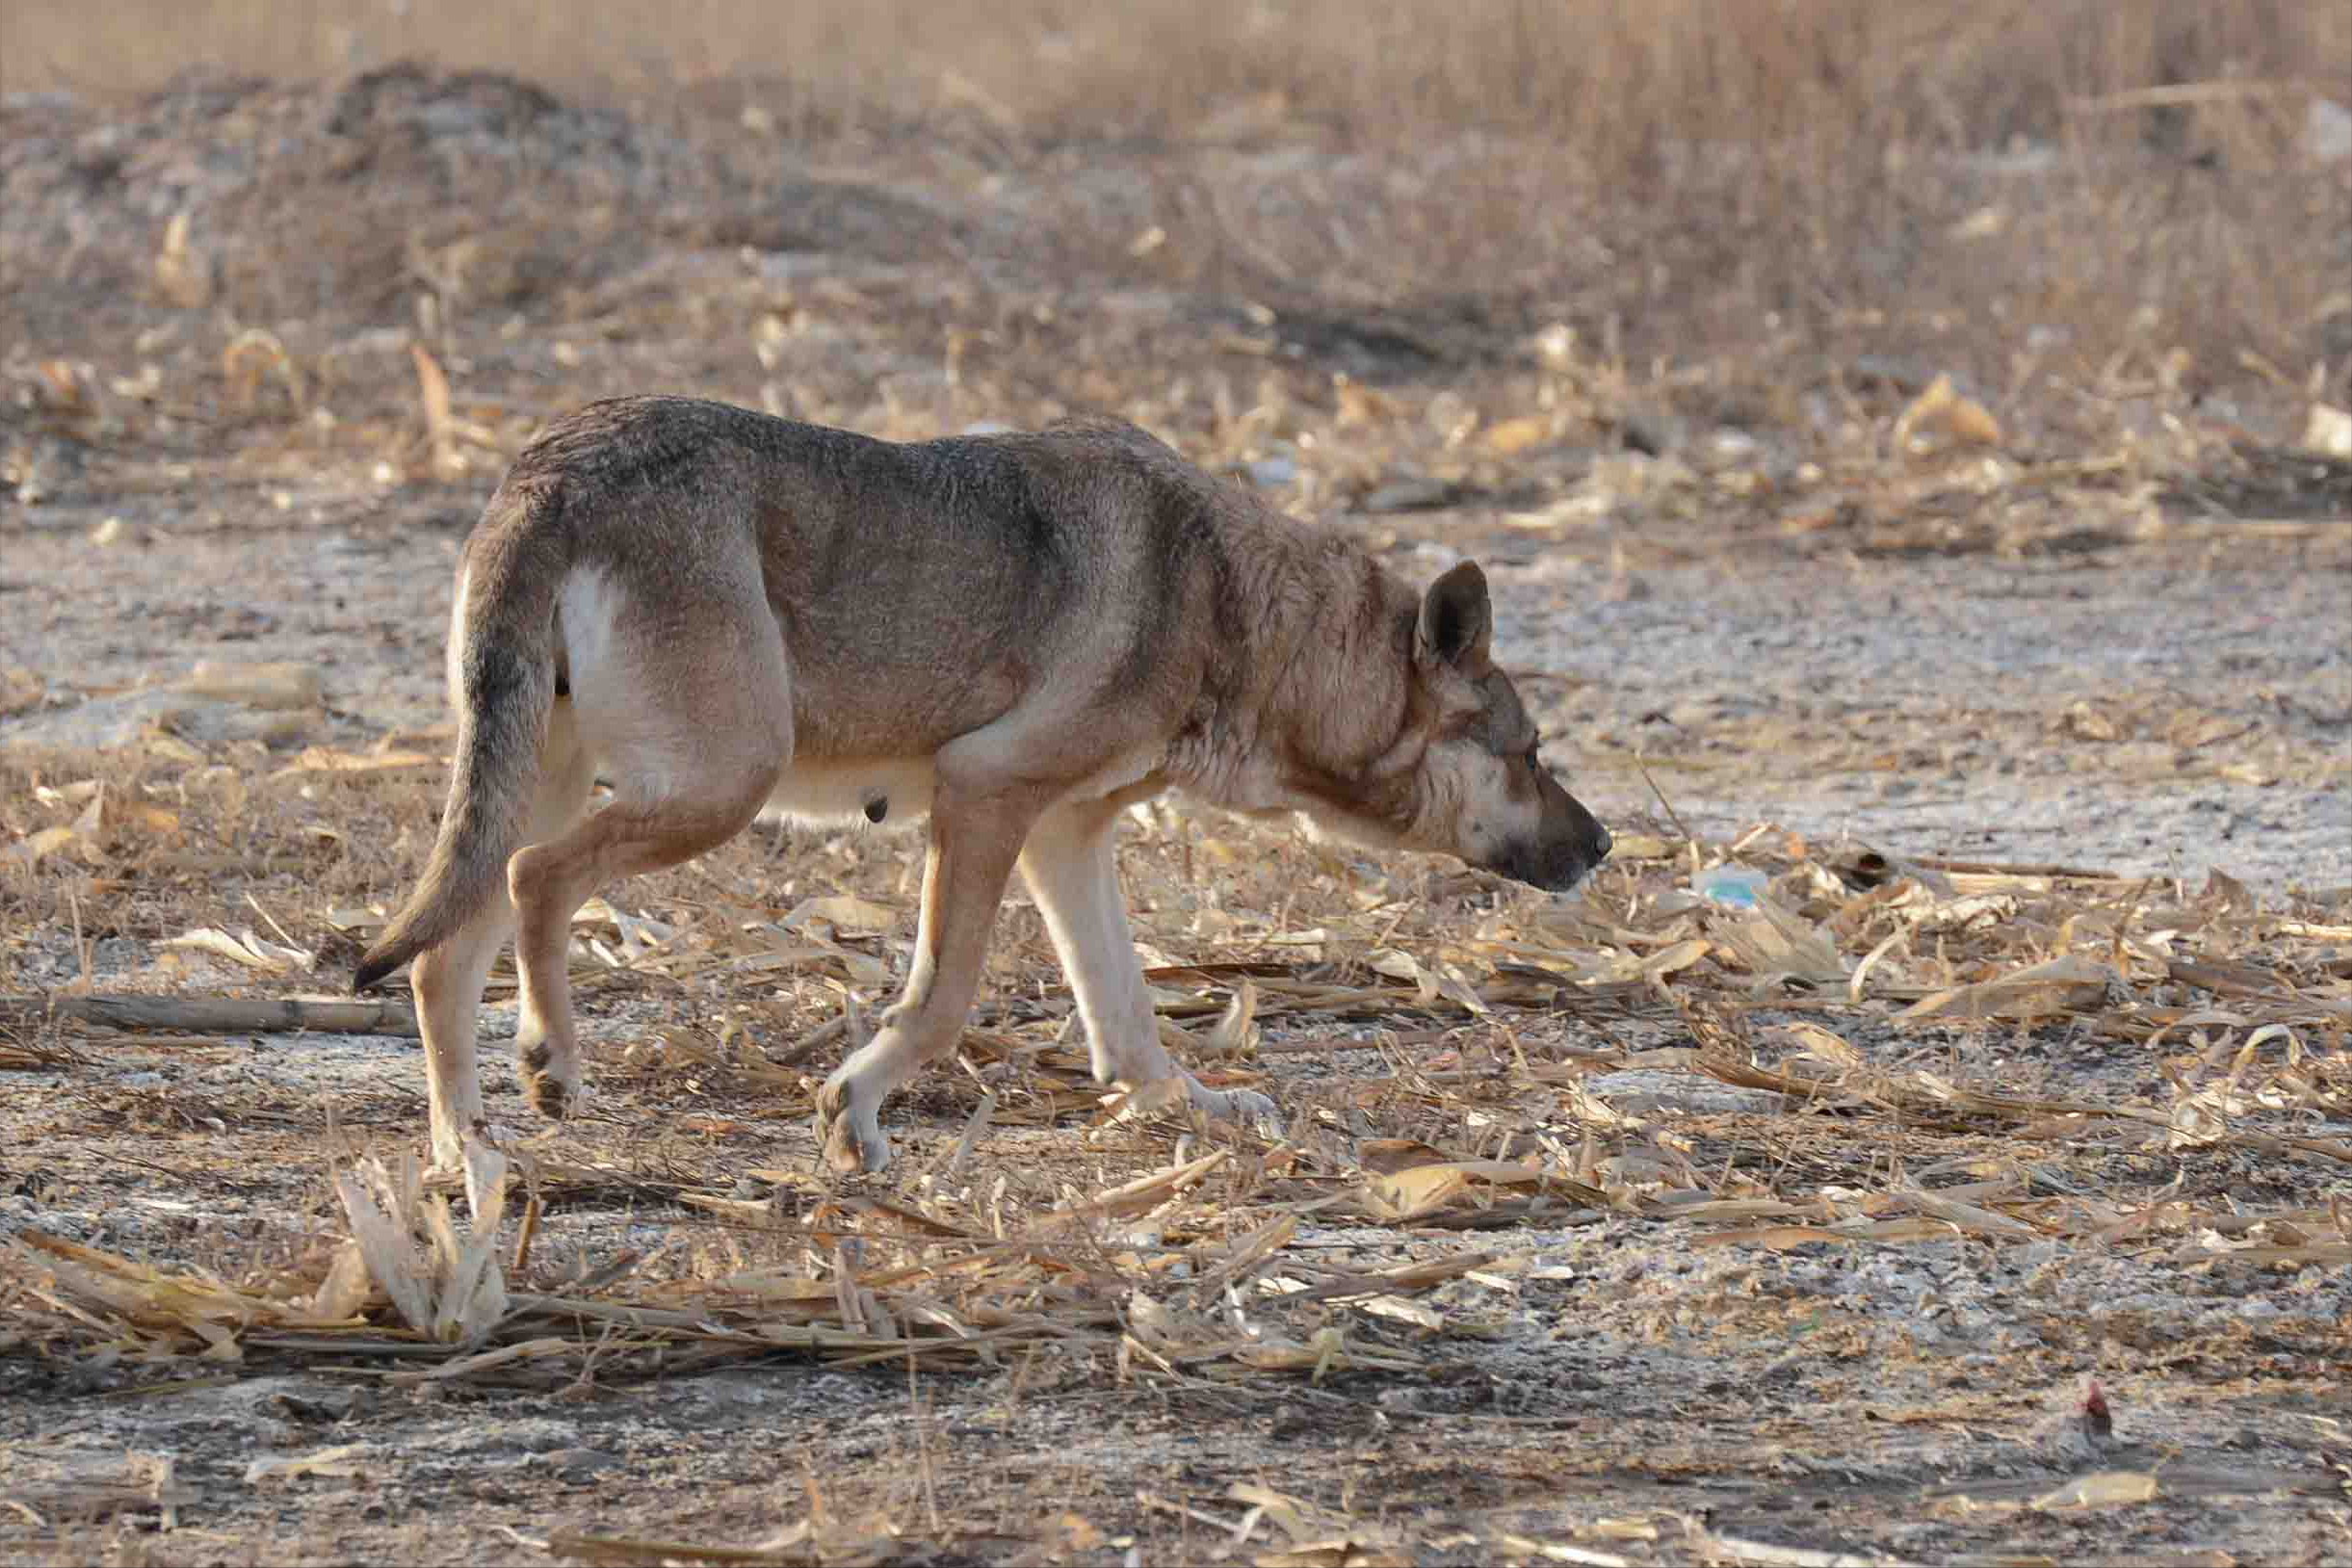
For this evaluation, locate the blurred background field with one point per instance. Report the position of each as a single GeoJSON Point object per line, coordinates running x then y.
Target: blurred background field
{"type": "Point", "coordinates": [2032, 194]}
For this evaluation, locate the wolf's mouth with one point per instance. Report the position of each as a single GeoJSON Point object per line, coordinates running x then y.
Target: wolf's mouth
{"type": "Point", "coordinates": [1555, 866]}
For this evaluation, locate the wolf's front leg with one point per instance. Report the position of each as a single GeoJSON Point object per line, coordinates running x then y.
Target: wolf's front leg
{"type": "Point", "coordinates": [1072, 871]}
{"type": "Point", "coordinates": [972, 851]}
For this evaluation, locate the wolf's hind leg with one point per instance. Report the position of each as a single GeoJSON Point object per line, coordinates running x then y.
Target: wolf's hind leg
{"type": "Point", "coordinates": [448, 982]}
{"type": "Point", "coordinates": [693, 732]}
{"type": "Point", "coordinates": [568, 774]}
{"type": "Point", "coordinates": [448, 979]}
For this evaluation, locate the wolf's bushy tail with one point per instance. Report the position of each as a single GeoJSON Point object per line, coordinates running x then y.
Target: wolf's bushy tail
{"type": "Point", "coordinates": [505, 662]}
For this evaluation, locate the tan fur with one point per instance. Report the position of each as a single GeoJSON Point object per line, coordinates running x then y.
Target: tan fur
{"type": "Point", "coordinates": [722, 614]}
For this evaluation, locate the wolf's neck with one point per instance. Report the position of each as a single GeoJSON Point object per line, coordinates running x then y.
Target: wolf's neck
{"type": "Point", "coordinates": [1315, 692]}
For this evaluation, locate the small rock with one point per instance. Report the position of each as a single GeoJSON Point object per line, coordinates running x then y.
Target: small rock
{"type": "Point", "coordinates": [1651, 438]}
{"type": "Point", "coordinates": [579, 1466]}
{"type": "Point", "coordinates": [1419, 492]}
{"type": "Point", "coordinates": [1272, 472]}
{"type": "Point", "coordinates": [1728, 447]}
{"type": "Point", "coordinates": [2327, 131]}
{"type": "Point", "coordinates": [2098, 1421]}
{"type": "Point", "coordinates": [2080, 1434]}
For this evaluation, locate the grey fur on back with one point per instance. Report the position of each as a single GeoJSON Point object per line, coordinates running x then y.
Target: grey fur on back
{"type": "Point", "coordinates": [997, 555]}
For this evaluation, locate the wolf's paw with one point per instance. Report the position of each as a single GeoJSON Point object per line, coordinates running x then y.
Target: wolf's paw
{"type": "Point", "coordinates": [449, 1154]}
{"type": "Point", "coordinates": [848, 1131]}
{"type": "Point", "coordinates": [550, 1084]}
{"type": "Point", "coordinates": [1245, 1106]}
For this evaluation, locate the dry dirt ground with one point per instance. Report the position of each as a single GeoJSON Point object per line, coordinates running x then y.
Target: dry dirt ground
{"type": "Point", "coordinates": [1980, 1194]}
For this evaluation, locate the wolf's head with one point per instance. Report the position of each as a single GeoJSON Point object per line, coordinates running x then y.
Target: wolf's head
{"type": "Point", "coordinates": [1462, 775]}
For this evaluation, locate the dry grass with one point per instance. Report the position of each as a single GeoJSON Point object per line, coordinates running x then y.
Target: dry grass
{"type": "Point", "coordinates": [1449, 1025]}
{"type": "Point", "coordinates": [1861, 992]}
{"type": "Point", "coordinates": [1619, 80]}
{"type": "Point", "coordinates": [2040, 1062]}
{"type": "Point", "coordinates": [1696, 174]}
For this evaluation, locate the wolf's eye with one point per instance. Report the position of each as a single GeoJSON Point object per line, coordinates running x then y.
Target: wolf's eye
{"type": "Point", "coordinates": [1533, 760]}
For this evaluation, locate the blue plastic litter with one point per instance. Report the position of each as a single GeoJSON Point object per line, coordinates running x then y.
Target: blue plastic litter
{"type": "Point", "coordinates": [1735, 887]}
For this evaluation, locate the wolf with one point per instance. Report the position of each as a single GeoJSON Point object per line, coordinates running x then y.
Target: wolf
{"type": "Point", "coordinates": [721, 614]}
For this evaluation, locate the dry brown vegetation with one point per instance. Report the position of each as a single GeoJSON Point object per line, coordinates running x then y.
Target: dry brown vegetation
{"type": "Point", "coordinates": [1612, 79]}
{"type": "Point", "coordinates": [1433, 1035]}
{"type": "Point", "coordinates": [1637, 1230]}
{"type": "Point", "coordinates": [1834, 172]}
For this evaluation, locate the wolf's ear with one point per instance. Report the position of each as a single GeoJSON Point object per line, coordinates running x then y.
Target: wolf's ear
{"type": "Point", "coordinates": [1455, 619]}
